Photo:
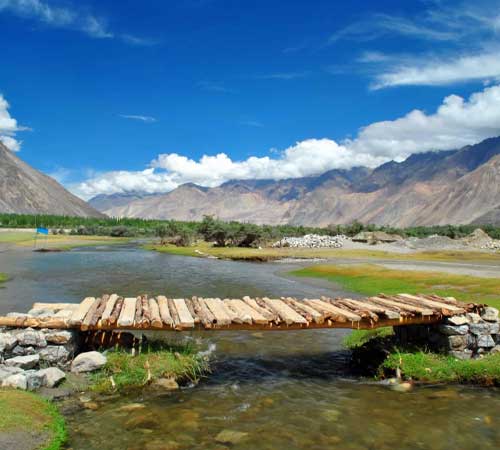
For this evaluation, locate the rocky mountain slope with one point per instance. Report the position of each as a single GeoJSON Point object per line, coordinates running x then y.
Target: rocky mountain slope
{"type": "Point", "coordinates": [460, 186]}
{"type": "Point", "coordinates": [25, 190]}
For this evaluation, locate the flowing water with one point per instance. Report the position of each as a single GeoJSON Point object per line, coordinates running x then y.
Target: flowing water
{"type": "Point", "coordinates": [268, 390]}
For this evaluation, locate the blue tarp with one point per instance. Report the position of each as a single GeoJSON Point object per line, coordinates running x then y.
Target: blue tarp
{"type": "Point", "coordinates": [42, 231]}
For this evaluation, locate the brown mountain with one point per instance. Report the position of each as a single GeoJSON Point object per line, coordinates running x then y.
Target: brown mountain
{"type": "Point", "coordinates": [24, 190]}
{"type": "Point", "coordinates": [459, 186]}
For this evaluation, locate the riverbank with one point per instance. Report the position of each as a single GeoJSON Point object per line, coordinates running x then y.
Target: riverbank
{"type": "Point", "coordinates": [29, 422]}
{"type": "Point", "coordinates": [23, 240]}
{"type": "Point", "coordinates": [361, 251]}
{"type": "Point", "coordinates": [371, 279]}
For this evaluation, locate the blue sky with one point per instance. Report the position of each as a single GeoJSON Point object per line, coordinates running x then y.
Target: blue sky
{"type": "Point", "coordinates": [145, 95]}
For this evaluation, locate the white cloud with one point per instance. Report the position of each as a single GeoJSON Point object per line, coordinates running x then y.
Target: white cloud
{"type": "Point", "coordinates": [441, 72]}
{"type": "Point", "coordinates": [9, 127]}
{"type": "Point", "coordinates": [138, 117]}
{"type": "Point", "coordinates": [457, 122]}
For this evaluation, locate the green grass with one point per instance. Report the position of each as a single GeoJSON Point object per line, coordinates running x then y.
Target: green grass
{"type": "Point", "coordinates": [360, 337]}
{"type": "Point", "coordinates": [369, 279]}
{"type": "Point", "coordinates": [25, 411]}
{"type": "Point", "coordinates": [3, 278]}
{"type": "Point", "coordinates": [134, 371]}
{"type": "Point", "coordinates": [434, 368]}
{"type": "Point", "coordinates": [202, 249]}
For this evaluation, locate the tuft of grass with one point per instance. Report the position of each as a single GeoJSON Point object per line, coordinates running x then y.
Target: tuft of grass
{"type": "Point", "coordinates": [370, 279]}
{"type": "Point", "coordinates": [3, 278]}
{"type": "Point", "coordinates": [203, 249]}
{"type": "Point", "coordinates": [28, 412]}
{"type": "Point", "coordinates": [435, 368]}
{"type": "Point", "coordinates": [359, 338]}
{"type": "Point", "coordinates": [134, 371]}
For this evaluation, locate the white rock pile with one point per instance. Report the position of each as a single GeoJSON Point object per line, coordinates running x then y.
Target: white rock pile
{"type": "Point", "coordinates": [312, 241]}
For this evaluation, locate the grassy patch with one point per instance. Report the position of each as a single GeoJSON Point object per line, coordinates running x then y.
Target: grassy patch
{"type": "Point", "coordinates": [134, 371]}
{"type": "Point", "coordinates": [3, 278]}
{"type": "Point", "coordinates": [434, 368]}
{"type": "Point", "coordinates": [203, 249]}
{"type": "Point", "coordinates": [27, 412]}
{"type": "Point", "coordinates": [369, 279]}
{"type": "Point", "coordinates": [66, 242]}
{"type": "Point", "coordinates": [360, 337]}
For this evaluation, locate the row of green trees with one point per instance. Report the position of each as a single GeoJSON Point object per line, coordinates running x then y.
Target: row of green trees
{"type": "Point", "coordinates": [215, 230]}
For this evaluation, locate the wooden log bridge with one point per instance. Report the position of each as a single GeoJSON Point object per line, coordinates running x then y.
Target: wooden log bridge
{"type": "Point", "coordinates": [113, 312]}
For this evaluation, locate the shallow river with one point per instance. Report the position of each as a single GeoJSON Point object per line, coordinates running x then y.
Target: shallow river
{"type": "Point", "coordinates": [284, 390]}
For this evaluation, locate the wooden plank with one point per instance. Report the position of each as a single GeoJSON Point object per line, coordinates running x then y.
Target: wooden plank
{"type": "Point", "coordinates": [126, 318]}
{"type": "Point", "coordinates": [315, 316]}
{"type": "Point", "coordinates": [404, 306]}
{"type": "Point", "coordinates": [138, 313]}
{"type": "Point", "coordinates": [444, 308]}
{"type": "Point", "coordinates": [55, 306]}
{"type": "Point", "coordinates": [336, 313]}
{"type": "Point", "coordinates": [203, 312]}
{"type": "Point", "coordinates": [185, 318]}
{"type": "Point", "coordinates": [117, 309]}
{"type": "Point", "coordinates": [190, 306]}
{"type": "Point", "coordinates": [156, 321]}
{"type": "Point", "coordinates": [165, 315]}
{"type": "Point", "coordinates": [219, 311]}
{"type": "Point", "coordinates": [241, 311]}
{"type": "Point", "coordinates": [233, 316]}
{"type": "Point", "coordinates": [262, 302]}
{"type": "Point", "coordinates": [82, 310]}
{"type": "Point", "coordinates": [90, 314]}
{"type": "Point", "coordinates": [256, 316]}
{"type": "Point", "coordinates": [268, 314]}
{"type": "Point", "coordinates": [364, 313]}
{"type": "Point", "coordinates": [146, 313]}
{"type": "Point", "coordinates": [287, 314]}
{"type": "Point", "coordinates": [100, 309]}
{"type": "Point", "coordinates": [110, 304]}
{"type": "Point", "coordinates": [174, 313]}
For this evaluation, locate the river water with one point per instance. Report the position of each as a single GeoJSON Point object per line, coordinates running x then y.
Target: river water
{"type": "Point", "coordinates": [268, 390]}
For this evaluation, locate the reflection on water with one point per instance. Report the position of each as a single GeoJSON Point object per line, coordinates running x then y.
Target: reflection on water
{"type": "Point", "coordinates": [269, 390]}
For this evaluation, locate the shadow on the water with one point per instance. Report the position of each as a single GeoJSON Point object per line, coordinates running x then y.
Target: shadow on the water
{"type": "Point", "coordinates": [321, 366]}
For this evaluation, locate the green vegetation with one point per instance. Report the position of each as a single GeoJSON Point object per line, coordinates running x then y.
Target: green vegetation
{"type": "Point", "coordinates": [369, 279]}
{"type": "Point", "coordinates": [126, 371]}
{"type": "Point", "coordinates": [223, 233]}
{"type": "Point", "coordinates": [3, 278]}
{"type": "Point", "coordinates": [359, 338]}
{"type": "Point", "coordinates": [26, 415]}
{"type": "Point", "coordinates": [434, 368]}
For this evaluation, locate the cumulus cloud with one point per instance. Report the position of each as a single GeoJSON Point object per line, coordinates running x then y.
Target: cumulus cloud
{"type": "Point", "coordinates": [457, 122]}
{"type": "Point", "coordinates": [9, 127]}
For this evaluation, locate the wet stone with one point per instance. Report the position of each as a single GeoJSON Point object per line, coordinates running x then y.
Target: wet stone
{"type": "Point", "coordinates": [168, 384]}
{"type": "Point", "coordinates": [231, 437]}
{"type": "Point", "coordinates": [451, 330]}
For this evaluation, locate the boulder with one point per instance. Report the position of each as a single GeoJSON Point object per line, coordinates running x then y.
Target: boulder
{"type": "Point", "coordinates": [457, 342]}
{"type": "Point", "coordinates": [451, 330]}
{"type": "Point", "coordinates": [473, 317]}
{"type": "Point", "coordinates": [55, 354]}
{"type": "Point", "coordinates": [6, 371]}
{"type": "Point", "coordinates": [59, 337]}
{"type": "Point", "coordinates": [485, 341]}
{"type": "Point", "coordinates": [490, 314]}
{"type": "Point", "coordinates": [483, 328]}
{"type": "Point", "coordinates": [18, 350]}
{"type": "Point", "coordinates": [88, 362]}
{"type": "Point", "coordinates": [495, 349]}
{"type": "Point", "coordinates": [458, 320]}
{"type": "Point", "coordinates": [23, 362]}
{"type": "Point", "coordinates": [52, 376]}
{"type": "Point", "coordinates": [463, 354]}
{"type": "Point", "coordinates": [18, 381]}
{"type": "Point", "coordinates": [34, 380]}
{"type": "Point", "coordinates": [31, 338]}
{"type": "Point", "coordinates": [7, 342]}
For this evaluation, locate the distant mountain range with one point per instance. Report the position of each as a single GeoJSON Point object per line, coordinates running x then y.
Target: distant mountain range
{"type": "Point", "coordinates": [448, 187]}
{"type": "Point", "coordinates": [24, 190]}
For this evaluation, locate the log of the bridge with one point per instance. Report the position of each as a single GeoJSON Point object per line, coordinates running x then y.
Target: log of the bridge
{"type": "Point", "coordinates": [286, 313]}
{"type": "Point", "coordinates": [174, 313]}
{"type": "Point", "coordinates": [262, 302]}
{"type": "Point", "coordinates": [389, 313]}
{"type": "Point", "coordinates": [244, 311]}
{"type": "Point", "coordinates": [311, 314]}
{"type": "Point", "coordinates": [127, 314]}
{"type": "Point", "coordinates": [253, 303]}
{"type": "Point", "coordinates": [243, 315]}
{"type": "Point", "coordinates": [446, 308]}
{"type": "Point", "coordinates": [138, 312]}
{"type": "Point", "coordinates": [362, 312]}
{"type": "Point", "coordinates": [146, 312]}
{"type": "Point", "coordinates": [327, 310]}
{"type": "Point", "coordinates": [117, 309]}
{"type": "Point", "coordinates": [99, 311]}
{"type": "Point", "coordinates": [185, 318]}
{"type": "Point", "coordinates": [404, 306]}
{"type": "Point", "coordinates": [80, 312]}
{"type": "Point", "coordinates": [165, 315]}
{"type": "Point", "coordinates": [55, 306]}
{"type": "Point", "coordinates": [203, 312]}
{"type": "Point", "coordinates": [218, 309]}
{"type": "Point", "coordinates": [110, 304]}
{"type": "Point", "coordinates": [190, 306]}
{"type": "Point", "coordinates": [156, 321]}
{"type": "Point", "coordinates": [86, 322]}
{"type": "Point", "coordinates": [232, 315]}
{"type": "Point", "coordinates": [353, 317]}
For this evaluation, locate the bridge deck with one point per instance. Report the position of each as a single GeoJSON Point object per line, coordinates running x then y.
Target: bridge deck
{"type": "Point", "coordinates": [112, 312]}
